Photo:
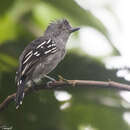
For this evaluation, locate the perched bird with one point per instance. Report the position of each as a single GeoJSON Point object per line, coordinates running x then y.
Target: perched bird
{"type": "Point", "coordinates": [42, 55]}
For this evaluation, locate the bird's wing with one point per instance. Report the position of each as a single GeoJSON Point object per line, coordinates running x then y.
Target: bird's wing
{"type": "Point", "coordinates": [39, 48]}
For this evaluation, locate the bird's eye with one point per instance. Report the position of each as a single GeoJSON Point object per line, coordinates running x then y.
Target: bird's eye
{"type": "Point", "coordinates": [65, 22]}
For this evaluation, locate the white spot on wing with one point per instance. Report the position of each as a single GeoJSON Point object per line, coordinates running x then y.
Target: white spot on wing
{"type": "Point", "coordinates": [24, 69]}
{"type": "Point", "coordinates": [41, 44]}
{"type": "Point", "coordinates": [53, 45]}
{"type": "Point", "coordinates": [20, 81]}
{"type": "Point", "coordinates": [49, 46]}
{"type": "Point", "coordinates": [21, 102]}
{"type": "Point", "coordinates": [53, 48]}
{"type": "Point", "coordinates": [53, 51]}
{"type": "Point", "coordinates": [27, 59]}
{"type": "Point", "coordinates": [23, 95]}
{"type": "Point", "coordinates": [38, 54]}
{"type": "Point", "coordinates": [17, 107]}
{"type": "Point", "coordinates": [28, 53]}
{"type": "Point", "coordinates": [46, 52]}
{"type": "Point", "coordinates": [35, 52]}
{"type": "Point", "coordinates": [48, 41]}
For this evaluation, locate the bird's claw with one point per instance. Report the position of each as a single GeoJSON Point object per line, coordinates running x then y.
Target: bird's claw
{"type": "Point", "coordinates": [48, 83]}
{"type": "Point", "coordinates": [62, 79]}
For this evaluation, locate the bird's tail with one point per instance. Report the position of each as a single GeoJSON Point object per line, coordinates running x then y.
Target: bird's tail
{"type": "Point", "coordinates": [20, 93]}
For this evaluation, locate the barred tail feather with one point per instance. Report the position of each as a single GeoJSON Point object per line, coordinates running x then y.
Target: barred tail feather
{"type": "Point", "coordinates": [19, 94]}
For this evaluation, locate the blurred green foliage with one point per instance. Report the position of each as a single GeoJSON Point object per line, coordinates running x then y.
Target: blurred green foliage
{"type": "Point", "coordinates": [22, 21]}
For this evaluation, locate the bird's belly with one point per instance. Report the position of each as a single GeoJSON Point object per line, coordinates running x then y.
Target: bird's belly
{"type": "Point", "coordinates": [47, 65]}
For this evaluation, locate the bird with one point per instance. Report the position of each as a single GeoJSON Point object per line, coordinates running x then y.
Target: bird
{"type": "Point", "coordinates": [42, 55]}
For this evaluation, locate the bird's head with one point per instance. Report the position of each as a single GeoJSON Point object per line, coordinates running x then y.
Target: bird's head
{"type": "Point", "coordinates": [60, 28]}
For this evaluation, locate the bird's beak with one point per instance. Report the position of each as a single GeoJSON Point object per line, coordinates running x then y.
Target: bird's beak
{"type": "Point", "coordinates": [74, 29]}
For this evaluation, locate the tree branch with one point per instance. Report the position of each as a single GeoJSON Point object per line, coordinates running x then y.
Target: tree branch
{"type": "Point", "coordinates": [66, 84]}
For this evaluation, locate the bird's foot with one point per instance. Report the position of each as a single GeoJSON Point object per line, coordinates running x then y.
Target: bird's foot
{"type": "Point", "coordinates": [50, 78]}
{"type": "Point", "coordinates": [61, 78]}
{"type": "Point", "coordinates": [49, 84]}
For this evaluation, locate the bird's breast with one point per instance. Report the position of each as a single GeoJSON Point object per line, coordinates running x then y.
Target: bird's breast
{"type": "Point", "coordinates": [48, 64]}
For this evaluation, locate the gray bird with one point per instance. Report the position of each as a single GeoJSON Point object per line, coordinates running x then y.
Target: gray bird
{"type": "Point", "coordinates": [42, 55]}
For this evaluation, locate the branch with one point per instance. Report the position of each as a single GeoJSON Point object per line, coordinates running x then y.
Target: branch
{"type": "Point", "coordinates": [66, 84]}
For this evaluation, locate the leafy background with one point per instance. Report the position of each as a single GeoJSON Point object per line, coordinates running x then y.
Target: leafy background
{"type": "Point", "coordinates": [21, 21]}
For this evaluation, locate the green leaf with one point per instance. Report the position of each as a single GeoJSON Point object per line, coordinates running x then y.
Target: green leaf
{"type": "Point", "coordinates": [7, 29]}
{"type": "Point", "coordinates": [7, 62]}
{"type": "Point", "coordinates": [5, 5]}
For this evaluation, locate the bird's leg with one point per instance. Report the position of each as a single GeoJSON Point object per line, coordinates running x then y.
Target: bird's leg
{"type": "Point", "coordinates": [62, 79]}
{"type": "Point", "coordinates": [50, 78]}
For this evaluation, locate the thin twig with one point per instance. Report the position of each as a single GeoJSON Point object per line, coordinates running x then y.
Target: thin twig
{"type": "Point", "coordinates": [66, 84]}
